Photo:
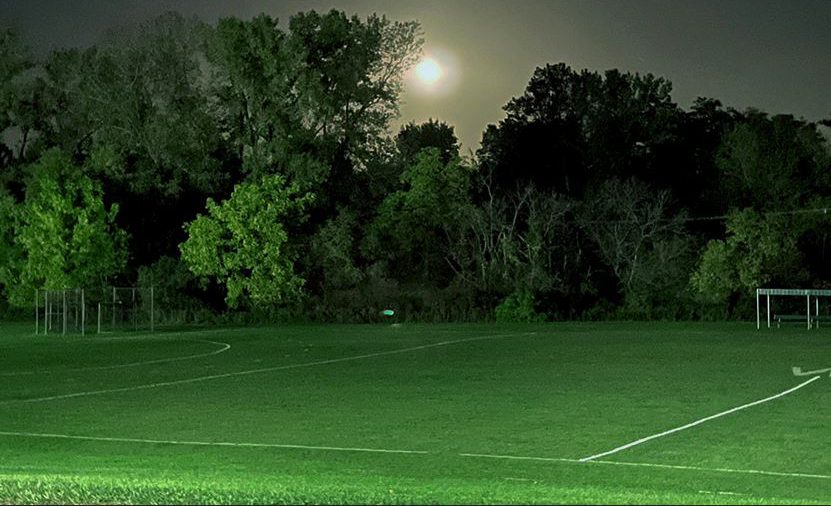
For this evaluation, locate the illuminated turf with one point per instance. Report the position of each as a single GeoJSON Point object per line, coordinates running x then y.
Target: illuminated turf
{"type": "Point", "coordinates": [415, 413]}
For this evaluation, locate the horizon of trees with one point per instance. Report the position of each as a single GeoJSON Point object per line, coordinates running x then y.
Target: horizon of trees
{"type": "Point", "coordinates": [247, 171]}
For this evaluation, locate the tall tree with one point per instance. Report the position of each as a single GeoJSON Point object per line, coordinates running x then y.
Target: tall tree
{"type": "Point", "coordinates": [384, 172]}
{"type": "Point", "coordinates": [639, 236]}
{"type": "Point", "coordinates": [64, 234]}
{"type": "Point", "coordinates": [135, 104]}
{"type": "Point", "coordinates": [412, 138]}
{"type": "Point", "coordinates": [705, 125]}
{"type": "Point", "coordinates": [334, 251]}
{"type": "Point", "coordinates": [353, 74]}
{"type": "Point", "coordinates": [522, 242]}
{"type": "Point", "coordinates": [410, 231]}
{"type": "Point", "coordinates": [313, 103]}
{"type": "Point", "coordinates": [773, 163]}
{"type": "Point", "coordinates": [569, 130]}
{"type": "Point", "coordinates": [243, 243]}
{"type": "Point", "coordinates": [10, 253]}
{"type": "Point", "coordinates": [325, 89]}
{"type": "Point", "coordinates": [16, 107]}
{"type": "Point", "coordinates": [759, 249]}
{"type": "Point", "coordinates": [135, 110]}
{"type": "Point", "coordinates": [13, 62]}
{"type": "Point", "coordinates": [257, 78]}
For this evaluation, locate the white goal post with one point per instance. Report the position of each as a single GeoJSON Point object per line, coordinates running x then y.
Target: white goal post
{"type": "Point", "coordinates": [69, 310]}
{"type": "Point", "coordinates": [59, 311]}
{"type": "Point", "coordinates": [126, 308]}
{"type": "Point", "coordinates": [811, 320]}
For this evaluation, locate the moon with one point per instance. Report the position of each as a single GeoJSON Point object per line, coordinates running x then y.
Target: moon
{"type": "Point", "coordinates": [429, 71]}
{"type": "Point", "coordinates": [436, 75]}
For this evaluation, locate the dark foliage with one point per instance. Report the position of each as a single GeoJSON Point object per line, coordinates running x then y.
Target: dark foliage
{"type": "Point", "coordinates": [596, 196]}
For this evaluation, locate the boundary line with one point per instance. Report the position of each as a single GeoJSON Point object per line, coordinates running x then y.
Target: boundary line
{"type": "Point", "coordinates": [224, 347]}
{"type": "Point", "coordinates": [258, 371]}
{"type": "Point", "coordinates": [412, 452]}
{"type": "Point", "coordinates": [205, 443]}
{"type": "Point", "coordinates": [646, 464]}
{"type": "Point", "coordinates": [698, 422]}
{"type": "Point", "coordinates": [713, 469]}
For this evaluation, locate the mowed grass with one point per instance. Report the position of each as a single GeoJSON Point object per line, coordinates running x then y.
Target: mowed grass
{"type": "Point", "coordinates": [415, 414]}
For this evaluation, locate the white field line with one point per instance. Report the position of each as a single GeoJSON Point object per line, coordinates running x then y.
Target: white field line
{"type": "Point", "coordinates": [223, 347]}
{"type": "Point", "coordinates": [412, 452]}
{"type": "Point", "coordinates": [517, 457]}
{"type": "Point", "coordinates": [718, 492]}
{"type": "Point", "coordinates": [699, 422]}
{"type": "Point", "coordinates": [660, 466]}
{"type": "Point", "coordinates": [157, 335]}
{"type": "Point", "coordinates": [797, 371]}
{"type": "Point", "coordinates": [715, 469]}
{"type": "Point", "coordinates": [205, 443]}
{"type": "Point", "coordinates": [144, 336]}
{"type": "Point", "coordinates": [259, 371]}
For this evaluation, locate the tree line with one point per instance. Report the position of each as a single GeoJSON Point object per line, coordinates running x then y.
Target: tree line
{"type": "Point", "coordinates": [245, 170]}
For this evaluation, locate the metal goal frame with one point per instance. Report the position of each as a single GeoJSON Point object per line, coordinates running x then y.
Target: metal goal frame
{"type": "Point", "coordinates": [63, 310]}
{"type": "Point", "coordinates": [811, 320]}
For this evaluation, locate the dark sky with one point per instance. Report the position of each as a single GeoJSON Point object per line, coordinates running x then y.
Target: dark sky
{"type": "Point", "coordinates": [774, 55]}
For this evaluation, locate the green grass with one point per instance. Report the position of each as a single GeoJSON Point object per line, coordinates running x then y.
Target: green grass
{"type": "Point", "coordinates": [548, 391]}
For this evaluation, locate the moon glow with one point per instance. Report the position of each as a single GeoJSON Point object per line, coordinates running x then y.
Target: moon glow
{"type": "Point", "coordinates": [436, 75]}
{"type": "Point", "coordinates": [429, 71]}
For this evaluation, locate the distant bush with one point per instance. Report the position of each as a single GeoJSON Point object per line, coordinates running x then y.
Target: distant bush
{"type": "Point", "coordinates": [518, 307]}
{"type": "Point", "coordinates": [12, 313]}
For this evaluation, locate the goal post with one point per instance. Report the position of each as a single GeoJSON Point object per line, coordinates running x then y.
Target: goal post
{"type": "Point", "coordinates": [126, 308]}
{"type": "Point", "coordinates": [60, 311]}
{"type": "Point", "coordinates": [106, 309]}
{"type": "Point", "coordinates": [811, 318]}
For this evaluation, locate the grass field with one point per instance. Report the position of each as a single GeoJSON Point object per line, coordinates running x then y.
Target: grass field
{"type": "Point", "coordinates": [417, 414]}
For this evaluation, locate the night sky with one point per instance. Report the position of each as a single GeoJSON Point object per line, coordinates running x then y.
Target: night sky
{"type": "Point", "coordinates": [773, 55]}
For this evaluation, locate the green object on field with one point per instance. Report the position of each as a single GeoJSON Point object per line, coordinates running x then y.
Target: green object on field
{"type": "Point", "coordinates": [388, 312]}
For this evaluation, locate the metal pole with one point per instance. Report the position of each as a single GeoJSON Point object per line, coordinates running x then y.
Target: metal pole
{"type": "Point", "coordinates": [83, 314]}
{"type": "Point", "coordinates": [758, 319]}
{"type": "Point", "coordinates": [99, 317]}
{"type": "Point", "coordinates": [64, 311]}
{"type": "Point", "coordinates": [768, 297]}
{"type": "Point", "coordinates": [816, 312]}
{"type": "Point", "coordinates": [809, 311]}
{"type": "Point", "coordinates": [46, 312]}
{"type": "Point", "coordinates": [37, 313]}
{"type": "Point", "coordinates": [151, 309]}
{"type": "Point", "coordinates": [135, 311]}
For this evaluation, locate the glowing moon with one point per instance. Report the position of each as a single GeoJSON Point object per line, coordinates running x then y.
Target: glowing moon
{"type": "Point", "coordinates": [436, 75]}
{"type": "Point", "coordinates": [429, 71]}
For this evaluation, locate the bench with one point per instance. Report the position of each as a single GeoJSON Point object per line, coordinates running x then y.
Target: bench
{"type": "Point", "coordinates": [779, 318]}
{"type": "Point", "coordinates": [816, 319]}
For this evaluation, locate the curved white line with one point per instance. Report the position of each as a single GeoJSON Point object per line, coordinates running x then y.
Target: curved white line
{"type": "Point", "coordinates": [154, 335]}
{"type": "Point", "coordinates": [223, 347]}
{"type": "Point", "coordinates": [258, 371]}
{"type": "Point", "coordinates": [698, 422]}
